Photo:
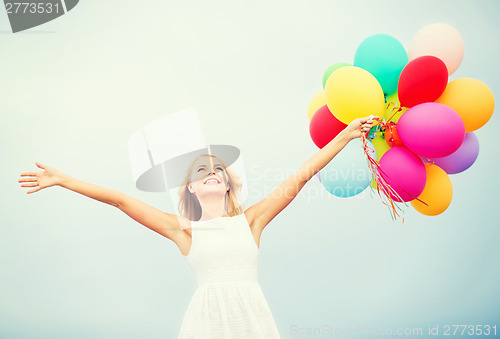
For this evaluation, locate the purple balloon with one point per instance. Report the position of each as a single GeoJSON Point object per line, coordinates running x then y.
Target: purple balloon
{"type": "Point", "coordinates": [431, 130]}
{"type": "Point", "coordinates": [462, 159]}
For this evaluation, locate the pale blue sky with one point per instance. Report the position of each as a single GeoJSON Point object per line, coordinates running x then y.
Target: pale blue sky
{"type": "Point", "coordinates": [75, 89]}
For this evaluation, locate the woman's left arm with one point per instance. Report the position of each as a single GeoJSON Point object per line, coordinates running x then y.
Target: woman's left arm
{"type": "Point", "coordinates": [260, 214]}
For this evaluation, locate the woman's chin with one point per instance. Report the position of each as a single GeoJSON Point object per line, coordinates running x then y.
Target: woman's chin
{"type": "Point", "coordinates": [212, 190]}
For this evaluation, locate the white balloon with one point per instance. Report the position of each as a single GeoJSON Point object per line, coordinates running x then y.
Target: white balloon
{"type": "Point", "coordinates": [440, 40]}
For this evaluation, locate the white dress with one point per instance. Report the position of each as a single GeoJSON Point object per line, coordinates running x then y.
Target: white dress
{"type": "Point", "coordinates": [228, 302]}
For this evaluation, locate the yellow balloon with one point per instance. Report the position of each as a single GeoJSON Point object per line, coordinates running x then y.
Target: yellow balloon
{"type": "Point", "coordinates": [471, 99]}
{"type": "Point", "coordinates": [352, 92]}
{"type": "Point", "coordinates": [437, 193]}
{"type": "Point", "coordinates": [380, 144]}
{"type": "Point", "coordinates": [317, 101]}
{"type": "Point", "coordinates": [392, 107]}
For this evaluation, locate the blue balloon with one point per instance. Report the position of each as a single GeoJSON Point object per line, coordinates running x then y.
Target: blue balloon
{"type": "Point", "coordinates": [348, 173]}
{"type": "Point", "coordinates": [384, 57]}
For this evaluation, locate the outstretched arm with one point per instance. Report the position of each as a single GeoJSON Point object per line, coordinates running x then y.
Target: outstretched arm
{"type": "Point", "coordinates": [260, 214]}
{"type": "Point", "coordinates": [163, 223]}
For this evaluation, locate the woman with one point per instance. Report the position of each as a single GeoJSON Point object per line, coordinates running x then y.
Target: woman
{"type": "Point", "coordinates": [218, 239]}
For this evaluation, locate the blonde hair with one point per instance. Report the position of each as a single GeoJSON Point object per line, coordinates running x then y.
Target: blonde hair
{"type": "Point", "coordinates": [189, 206]}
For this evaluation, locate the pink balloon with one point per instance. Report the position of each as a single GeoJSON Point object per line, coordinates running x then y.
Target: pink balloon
{"type": "Point", "coordinates": [405, 172]}
{"type": "Point", "coordinates": [431, 130]}
{"type": "Point", "coordinates": [440, 40]}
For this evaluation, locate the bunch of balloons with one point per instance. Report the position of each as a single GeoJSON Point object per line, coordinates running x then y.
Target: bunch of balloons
{"type": "Point", "coordinates": [427, 124]}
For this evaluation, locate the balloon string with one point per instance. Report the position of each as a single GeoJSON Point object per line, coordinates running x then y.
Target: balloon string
{"type": "Point", "coordinates": [383, 126]}
{"type": "Point", "coordinates": [384, 190]}
{"type": "Point", "coordinates": [397, 111]}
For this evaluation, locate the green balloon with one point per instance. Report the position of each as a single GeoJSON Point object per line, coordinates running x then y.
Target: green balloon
{"type": "Point", "coordinates": [332, 69]}
{"type": "Point", "coordinates": [383, 56]}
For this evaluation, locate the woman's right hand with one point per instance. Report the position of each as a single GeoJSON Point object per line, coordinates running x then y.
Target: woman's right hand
{"type": "Point", "coordinates": [41, 179]}
{"type": "Point", "coordinates": [360, 126]}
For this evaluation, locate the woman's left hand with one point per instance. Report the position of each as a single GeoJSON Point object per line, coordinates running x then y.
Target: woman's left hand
{"type": "Point", "coordinates": [359, 126]}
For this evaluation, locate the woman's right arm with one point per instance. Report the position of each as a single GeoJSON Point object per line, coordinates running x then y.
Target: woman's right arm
{"type": "Point", "coordinates": [166, 224]}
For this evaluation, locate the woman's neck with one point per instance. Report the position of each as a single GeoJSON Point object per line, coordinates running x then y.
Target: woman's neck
{"type": "Point", "coordinates": [212, 209]}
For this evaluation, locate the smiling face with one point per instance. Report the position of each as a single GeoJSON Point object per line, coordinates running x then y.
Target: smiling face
{"type": "Point", "coordinates": [207, 186]}
{"type": "Point", "coordinates": [208, 175]}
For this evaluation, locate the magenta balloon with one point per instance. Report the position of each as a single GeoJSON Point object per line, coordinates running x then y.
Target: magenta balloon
{"type": "Point", "coordinates": [404, 171]}
{"type": "Point", "coordinates": [461, 159]}
{"type": "Point", "coordinates": [431, 130]}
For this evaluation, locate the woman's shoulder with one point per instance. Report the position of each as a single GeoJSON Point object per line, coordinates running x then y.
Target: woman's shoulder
{"type": "Point", "coordinates": [249, 216]}
{"type": "Point", "coordinates": [184, 223]}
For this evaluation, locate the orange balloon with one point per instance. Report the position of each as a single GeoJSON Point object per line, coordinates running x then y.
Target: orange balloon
{"type": "Point", "coordinates": [392, 137]}
{"type": "Point", "coordinates": [471, 99]}
{"type": "Point", "coordinates": [437, 193]}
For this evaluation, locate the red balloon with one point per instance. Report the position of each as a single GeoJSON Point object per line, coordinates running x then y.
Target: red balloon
{"type": "Point", "coordinates": [324, 126]}
{"type": "Point", "coordinates": [423, 79]}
